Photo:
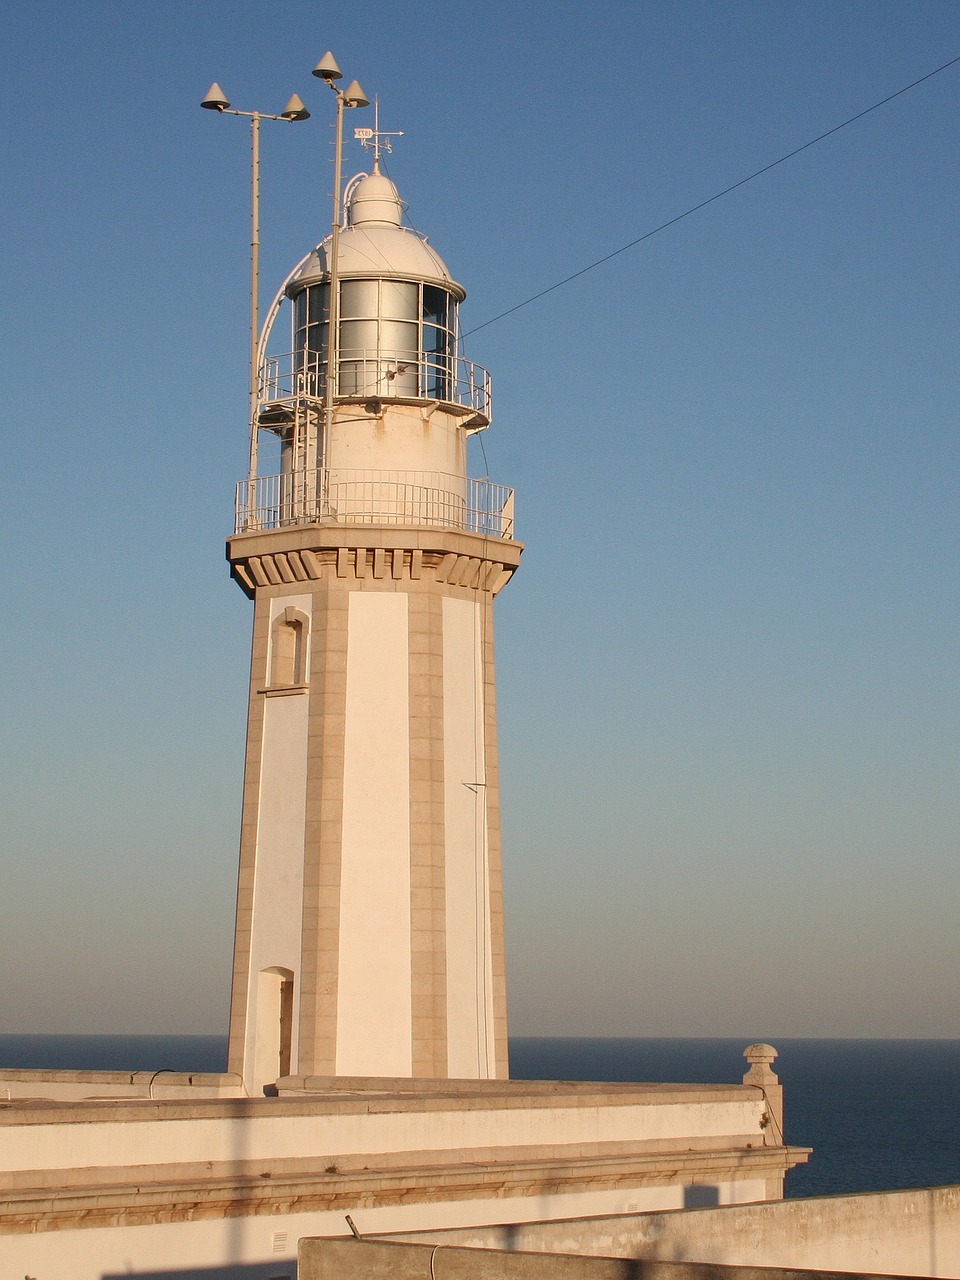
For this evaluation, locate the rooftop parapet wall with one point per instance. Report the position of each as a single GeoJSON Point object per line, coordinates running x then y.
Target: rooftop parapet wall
{"type": "Point", "coordinates": [78, 1086]}
{"type": "Point", "coordinates": [899, 1232]}
{"type": "Point", "coordinates": [405, 1155]}
{"type": "Point", "coordinates": [504, 1116]}
{"type": "Point", "coordinates": [894, 1232]}
{"type": "Point", "coordinates": [431, 1154]}
{"type": "Point", "coordinates": [373, 1260]}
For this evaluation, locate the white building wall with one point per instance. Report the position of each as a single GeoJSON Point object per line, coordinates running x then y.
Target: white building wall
{"type": "Point", "coordinates": [404, 439]}
{"type": "Point", "coordinates": [914, 1233]}
{"type": "Point", "coordinates": [189, 1249]}
{"type": "Point", "coordinates": [889, 1233]}
{"type": "Point", "coordinates": [908, 1233]}
{"type": "Point", "coordinates": [198, 1138]}
{"type": "Point", "coordinates": [278, 883]}
{"type": "Point", "coordinates": [467, 880]}
{"type": "Point", "coordinates": [374, 1018]}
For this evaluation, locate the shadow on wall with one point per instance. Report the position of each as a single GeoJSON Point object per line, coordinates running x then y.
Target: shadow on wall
{"type": "Point", "coordinates": [642, 1269]}
{"type": "Point", "coordinates": [278, 1269]}
{"type": "Point", "coordinates": [510, 1236]}
{"type": "Point", "coordinates": [701, 1197]}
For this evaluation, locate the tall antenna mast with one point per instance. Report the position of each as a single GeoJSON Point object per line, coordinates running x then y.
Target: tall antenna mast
{"type": "Point", "coordinates": [376, 137]}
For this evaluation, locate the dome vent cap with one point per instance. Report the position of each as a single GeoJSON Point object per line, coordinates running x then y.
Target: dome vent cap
{"type": "Point", "coordinates": [375, 199]}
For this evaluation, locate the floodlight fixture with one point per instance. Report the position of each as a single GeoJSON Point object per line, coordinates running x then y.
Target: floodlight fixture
{"type": "Point", "coordinates": [215, 99]}
{"type": "Point", "coordinates": [354, 96]}
{"type": "Point", "coordinates": [327, 68]}
{"type": "Point", "coordinates": [295, 110]}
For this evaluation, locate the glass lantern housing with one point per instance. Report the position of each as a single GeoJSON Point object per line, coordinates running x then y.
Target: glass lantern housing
{"type": "Point", "coordinates": [397, 338]}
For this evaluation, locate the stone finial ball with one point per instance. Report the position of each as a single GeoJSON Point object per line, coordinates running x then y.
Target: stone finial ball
{"type": "Point", "coordinates": [760, 1053]}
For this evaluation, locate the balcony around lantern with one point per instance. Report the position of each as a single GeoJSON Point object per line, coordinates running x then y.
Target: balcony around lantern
{"type": "Point", "coordinates": [345, 496]}
{"type": "Point", "coordinates": [373, 375]}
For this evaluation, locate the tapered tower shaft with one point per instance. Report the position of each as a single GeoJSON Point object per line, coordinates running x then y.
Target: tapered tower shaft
{"type": "Point", "coordinates": [370, 924]}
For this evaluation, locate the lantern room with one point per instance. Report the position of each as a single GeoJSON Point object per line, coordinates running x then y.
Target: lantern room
{"type": "Point", "coordinates": [397, 335]}
{"type": "Point", "coordinates": [367, 413]}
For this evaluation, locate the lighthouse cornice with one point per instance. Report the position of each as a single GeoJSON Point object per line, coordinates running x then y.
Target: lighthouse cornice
{"type": "Point", "coordinates": [371, 556]}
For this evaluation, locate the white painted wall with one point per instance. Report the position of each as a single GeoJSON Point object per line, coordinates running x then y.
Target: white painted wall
{"type": "Point", "coordinates": [278, 883]}
{"type": "Point", "coordinates": [912, 1233]}
{"type": "Point", "coordinates": [897, 1232]}
{"type": "Point", "coordinates": [374, 1011]}
{"type": "Point", "coordinates": [179, 1248]}
{"type": "Point", "coordinates": [470, 1051]}
{"type": "Point", "coordinates": [282, 1132]}
{"type": "Point", "coordinates": [404, 439]}
{"type": "Point", "coordinates": [271, 1240]}
{"type": "Point", "coordinates": [208, 1132]}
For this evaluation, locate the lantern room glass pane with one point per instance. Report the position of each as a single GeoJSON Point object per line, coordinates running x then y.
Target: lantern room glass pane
{"type": "Point", "coordinates": [317, 338]}
{"type": "Point", "coordinates": [400, 300]}
{"type": "Point", "coordinates": [397, 337]}
{"type": "Point", "coordinates": [318, 302]}
{"type": "Point", "coordinates": [310, 315]}
{"type": "Point", "coordinates": [435, 340]}
{"type": "Point", "coordinates": [435, 305]}
{"type": "Point", "coordinates": [358, 337]}
{"type": "Point", "coordinates": [359, 378]}
{"type": "Point", "coordinates": [309, 339]}
{"type": "Point", "coordinates": [437, 377]}
{"type": "Point", "coordinates": [359, 298]}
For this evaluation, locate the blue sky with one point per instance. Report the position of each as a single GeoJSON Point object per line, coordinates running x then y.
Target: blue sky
{"type": "Point", "coordinates": [728, 669]}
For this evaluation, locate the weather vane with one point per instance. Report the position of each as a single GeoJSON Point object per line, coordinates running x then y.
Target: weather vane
{"type": "Point", "coordinates": [376, 138]}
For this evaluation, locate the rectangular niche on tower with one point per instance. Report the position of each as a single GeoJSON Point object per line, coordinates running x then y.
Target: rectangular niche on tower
{"type": "Point", "coordinates": [289, 652]}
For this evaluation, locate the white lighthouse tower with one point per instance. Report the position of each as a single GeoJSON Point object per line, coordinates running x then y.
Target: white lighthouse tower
{"type": "Point", "coordinates": [369, 935]}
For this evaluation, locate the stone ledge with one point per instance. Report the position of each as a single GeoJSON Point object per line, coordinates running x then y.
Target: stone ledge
{"type": "Point", "coordinates": [222, 1192]}
{"type": "Point", "coordinates": [315, 537]}
{"type": "Point", "coordinates": [307, 1096]}
{"type": "Point", "coordinates": [343, 1163]}
{"type": "Point", "coordinates": [28, 1084]}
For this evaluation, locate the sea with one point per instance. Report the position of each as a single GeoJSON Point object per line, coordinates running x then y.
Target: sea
{"type": "Point", "coordinates": [880, 1115]}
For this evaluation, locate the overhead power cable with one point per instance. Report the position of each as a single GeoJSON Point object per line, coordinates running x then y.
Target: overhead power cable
{"type": "Point", "coordinates": [711, 199]}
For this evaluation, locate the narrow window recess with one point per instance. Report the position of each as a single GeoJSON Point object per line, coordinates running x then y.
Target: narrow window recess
{"type": "Point", "coordinates": [288, 653]}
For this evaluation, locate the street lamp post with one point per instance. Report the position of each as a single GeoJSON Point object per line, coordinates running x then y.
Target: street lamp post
{"type": "Point", "coordinates": [353, 96]}
{"type": "Point", "coordinates": [216, 100]}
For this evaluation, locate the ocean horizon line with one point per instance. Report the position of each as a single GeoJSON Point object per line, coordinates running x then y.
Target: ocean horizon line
{"type": "Point", "coordinates": [521, 1035]}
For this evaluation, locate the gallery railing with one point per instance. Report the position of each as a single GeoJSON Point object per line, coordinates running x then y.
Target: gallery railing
{"type": "Point", "coordinates": [344, 496]}
{"type": "Point", "coordinates": [377, 375]}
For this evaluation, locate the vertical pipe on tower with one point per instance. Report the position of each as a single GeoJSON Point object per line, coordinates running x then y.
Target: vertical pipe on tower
{"type": "Point", "coordinates": [333, 299]}
{"type": "Point", "coordinates": [254, 303]}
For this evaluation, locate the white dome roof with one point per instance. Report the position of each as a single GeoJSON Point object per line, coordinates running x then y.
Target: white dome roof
{"type": "Point", "coordinates": [375, 244]}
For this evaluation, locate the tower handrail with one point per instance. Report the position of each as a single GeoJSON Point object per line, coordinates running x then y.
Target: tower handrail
{"type": "Point", "coordinates": [354, 496]}
{"type": "Point", "coordinates": [374, 374]}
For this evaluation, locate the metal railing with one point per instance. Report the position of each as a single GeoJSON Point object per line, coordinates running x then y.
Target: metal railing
{"type": "Point", "coordinates": [427, 376]}
{"type": "Point", "coordinates": [346, 496]}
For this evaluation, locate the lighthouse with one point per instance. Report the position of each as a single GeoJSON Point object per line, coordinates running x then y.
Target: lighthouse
{"type": "Point", "coordinates": [369, 935]}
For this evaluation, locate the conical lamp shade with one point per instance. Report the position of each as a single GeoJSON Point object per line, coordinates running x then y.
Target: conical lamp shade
{"type": "Point", "coordinates": [355, 97]}
{"type": "Point", "coordinates": [327, 68]}
{"type": "Point", "coordinates": [215, 99]}
{"type": "Point", "coordinates": [295, 110]}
